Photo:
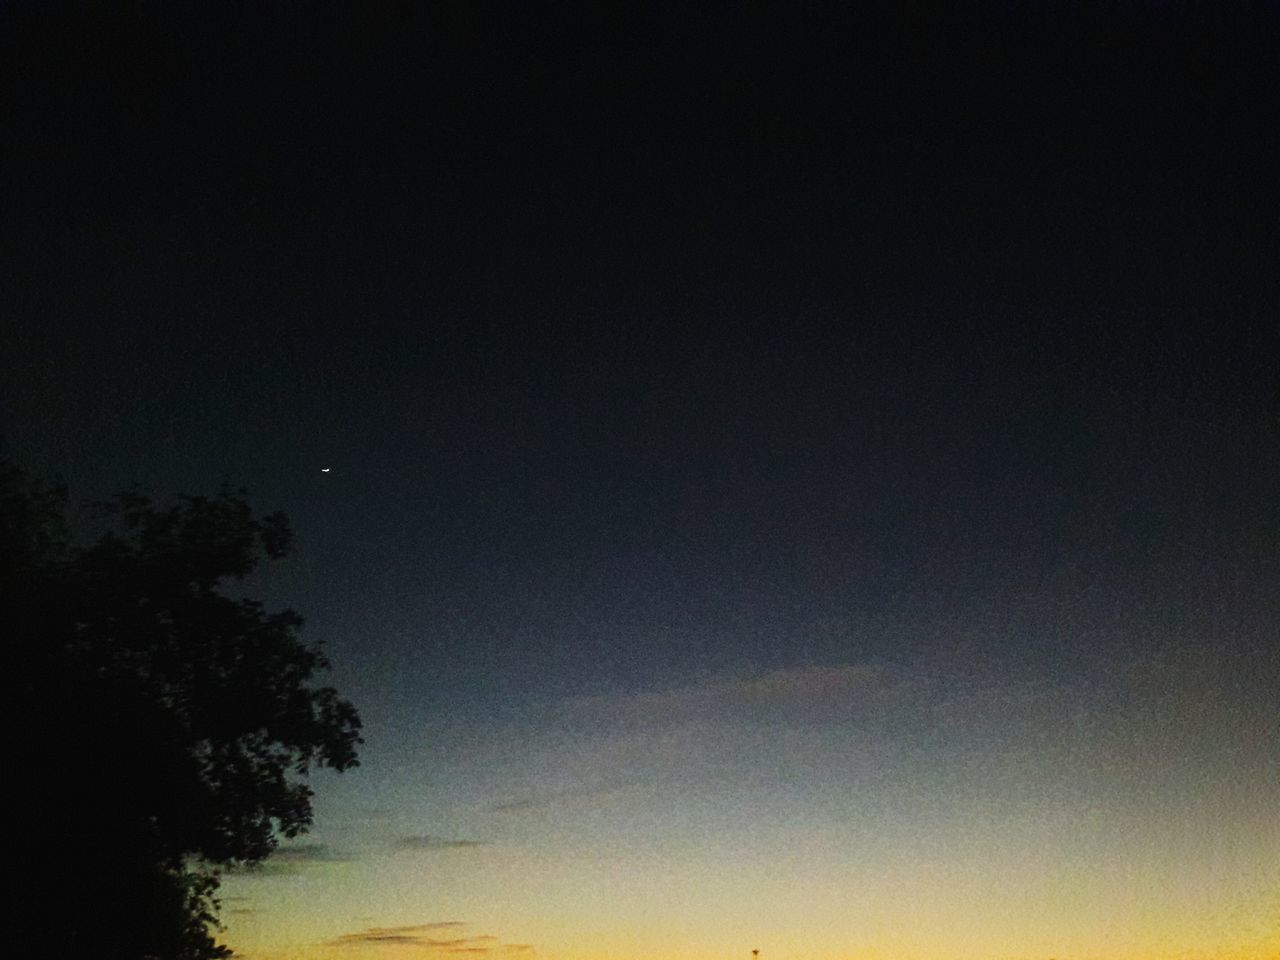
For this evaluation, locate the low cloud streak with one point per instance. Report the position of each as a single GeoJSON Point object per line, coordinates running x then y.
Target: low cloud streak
{"type": "Point", "coordinates": [431, 842]}
{"type": "Point", "coordinates": [422, 935]}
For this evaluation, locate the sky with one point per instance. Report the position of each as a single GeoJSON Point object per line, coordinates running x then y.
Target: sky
{"type": "Point", "coordinates": [800, 480]}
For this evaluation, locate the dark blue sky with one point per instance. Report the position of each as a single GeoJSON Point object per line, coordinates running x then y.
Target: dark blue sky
{"type": "Point", "coordinates": [656, 345]}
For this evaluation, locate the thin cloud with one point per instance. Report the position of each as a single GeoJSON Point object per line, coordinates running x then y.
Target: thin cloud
{"type": "Point", "coordinates": [271, 868]}
{"type": "Point", "coordinates": [307, 853]}
{"type": "Point", "coordinates": [288, 861]}
{"type": "Point", "coordinates": [373, 936]}
{"type": "Point", "coordinates": [844, 691]}
{"type": "Point", "coordinates": [585, 791]}
{"type": "Point", "coordinates": [615, 749]}
{"type": "Point", "coordinates": [515, 804]}
{"type": "Point", "coordinates": [430, 842]}
{"type": "Point", "coordinates": [417, 935]}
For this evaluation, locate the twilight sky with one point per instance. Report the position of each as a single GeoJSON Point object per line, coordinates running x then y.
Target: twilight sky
{"type": "Point", "coordinates": [802, 481]}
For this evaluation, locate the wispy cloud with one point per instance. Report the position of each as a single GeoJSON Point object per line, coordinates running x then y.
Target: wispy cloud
{"type": "Point", "coordinates": [610, 749]}
{"type": "Point", "coordinates": [423, 935]}
{"type": "Point", "coordinates": [899, 736]}
{"type": "Point", "coordinates": [307, 853]}
{"type": "Point", "coordinates": [593, 790]}
{"type": "Point", "coordinates": [262, 871]}
{"type": "Point", "coordinates": [808, 692]}
{"type": "Point", "coordinates": [289, 861]}
{"type": "Point", "coordinates": [431, 842]}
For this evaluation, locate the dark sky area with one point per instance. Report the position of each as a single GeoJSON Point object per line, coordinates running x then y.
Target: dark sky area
{"type": "Point", "coordinates": [645, 345]}
{"type": "Point", "coordinates": [825, 457]}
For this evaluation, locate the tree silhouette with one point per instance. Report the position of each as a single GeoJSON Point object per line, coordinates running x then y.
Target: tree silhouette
{"type": "Point", "coordinates": [164, 729]}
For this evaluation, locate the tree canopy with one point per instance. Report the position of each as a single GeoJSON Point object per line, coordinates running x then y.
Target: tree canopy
{"type": "Point", "coordinates": [165, 729]}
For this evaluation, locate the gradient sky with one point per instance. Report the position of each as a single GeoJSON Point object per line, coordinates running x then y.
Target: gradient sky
{"type": "Point", "coordinates": [802, 482]}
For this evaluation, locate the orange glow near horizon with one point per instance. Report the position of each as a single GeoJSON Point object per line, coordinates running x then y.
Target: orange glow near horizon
{"type": "Point", "coordinates": [836, 813]}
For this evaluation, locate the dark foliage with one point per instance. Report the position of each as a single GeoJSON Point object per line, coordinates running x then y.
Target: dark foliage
{"type": "Point", "coordinates": [166, 730]}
